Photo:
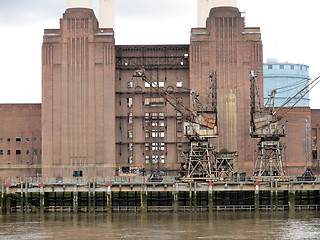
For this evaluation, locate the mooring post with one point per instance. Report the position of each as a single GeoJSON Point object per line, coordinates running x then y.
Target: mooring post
{"type": "Point", "coordinates": [41, 200]}
{"type": "Point", "coordinates": [292, 198]}
{"type": "Point", "coordinates": [276, 196]}
{"type": "Point", "coordinates": [75, 199]}
{"type": "Point", "coordinates": [144, 199]}
{"type": "Point", "coordinates": [109, 199]}
{"type": "Point", "coordinates": [2, 196]}
{"type": "Point", "coordinates": [210, 198]}
{"type": "Point", "coordinates": [8, 201]}
{"type": "Point", "coordinates": [257, 198]}
{"type": "Point", "coordinates": [89, 196]}
{"type": "Point", "coordinates": [94, 196]}
{"type": "Point", "coordinates": [271, 195]}
{"type": "Point", "coordinates": [190, 196]}
{"type": "Point", "coordinates": [21, 196]}
{"type": "Point", "coordinates": [195, 195]}
{"type": "Point", "coordinates": [26, 197]}
{"type": "Point", "coordinates": [175, 200]}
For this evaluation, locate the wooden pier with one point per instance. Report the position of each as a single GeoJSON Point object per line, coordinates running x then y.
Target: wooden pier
{"type": "Point", "coordinates": [107, 196]}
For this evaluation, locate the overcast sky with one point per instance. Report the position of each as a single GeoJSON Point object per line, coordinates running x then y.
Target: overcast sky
{"type": "Point", "coordinates": [290, 32]}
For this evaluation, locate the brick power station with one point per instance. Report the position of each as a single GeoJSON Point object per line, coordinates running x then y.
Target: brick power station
{"type": "Point", "coordinates": [98, 120]}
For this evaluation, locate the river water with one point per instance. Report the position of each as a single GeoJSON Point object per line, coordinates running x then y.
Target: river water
{"type": "Point", "coordinates": [221, 225]}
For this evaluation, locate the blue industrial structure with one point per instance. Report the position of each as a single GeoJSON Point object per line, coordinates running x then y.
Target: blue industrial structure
{"type": "Point", "coordinates": [287, 79]}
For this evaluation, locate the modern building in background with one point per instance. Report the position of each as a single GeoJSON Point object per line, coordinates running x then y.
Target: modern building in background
{"type": "Point", "coordinates": [287, 79]}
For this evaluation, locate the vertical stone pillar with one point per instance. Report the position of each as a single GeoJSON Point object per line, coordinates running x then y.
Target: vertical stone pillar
{"type": "Point", "coordinates": [41, 200]}
{"type": "Point", "coordinates": [94, 196]}
{"type": "Point", "coordinates": [109, 199]}
{"type": "Point", "coordinates": [292, 200]}
{"type": "Point", "coordinates": [2, 199]}
{"type": "Point", "coordinates": [271, 199]}
{"type": "Point", "coordinates": [26, 196]}
{"type": "Point", "coordinates": [257, 199]}
{"type": "Point", "coordinates": [175, 200]}
{"type": "Point", "coordinates": [210, 198]}
{"type": "Point", "coordinates": [144, 199]}
{"type": "Point", "coordinates": [89, 197]}
{"type": "Point", "coordinates": [195, 195]}
{"type": "Point", "coordinates": [190, 196]}
{"type": "Point", "coordinates": [21, 197]}
{"type": "Point", "coordinates": [75, 199]}
{"type": "Point", "coordinates": [276, 199]}
{"type": "Point", "coordinates": [8, 201]}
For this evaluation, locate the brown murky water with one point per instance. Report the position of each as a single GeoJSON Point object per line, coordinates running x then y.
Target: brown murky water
{"type": "Point", "coordinates": [222, 225]}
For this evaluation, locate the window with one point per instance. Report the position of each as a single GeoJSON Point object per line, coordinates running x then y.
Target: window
{"type": "Point", "coordinates": [129, 118]}
{"type": "Point", "coordinates": [129, 84]}
{"type": "Point", "coordinates": [18, 139]}
{"type": "Point", "coordinates": [158, 146]}
{"type": "Point", "coordinates": [162, 159]}
{"type": "Point", "coordinates": [314, 142]}
{"type": "Point", "coordinates": [129, 102]}
{"type": "Point", "coordinates": [300, 67]}
{"type": "Point", "coordinates": [292, 66]}
{"type": "Point", "coordinates": [281, 66]}
{"type": "Point", "coordinates": [27, 139]}
{"type": "Point", "coordinates": [147, 134]}
{"type": "Point", "coordinates": [156, 134]}
{"type": "Point", "coordinates": [8, 139]}
{"type": "Point", "coordinates": [179, 116]}
{"type": "Point", "coordinates": [18, 152]}
{"type": "Point", "coordinates": [130, 147]}
{"type": "Point", "coordinates": [314, 154]}
{"type": "Point", "coordinates": [1, 139]}
{"type": "Point", "coordinates": [269, 66]}
{"type": "Point", "coordinates": [154, 102]}
{"type": "Point", "coordinates": [179, 84]}
{"type": "Point", "coordinates": [147, 159]}
{"type": "Point", "coordinates": [179, 134]}
{"type": "Point", "coordinates": [1, 152]}
{"type": "Point", "coordinates": [34, 139]}
{"type": "Point", "coordinates": [146, 115]}
{"type": "Point", "coordinates": [130, 159]}
{"type": "Point", "coordinates": [146, 85]}
{"type": "Point", "coordinates": [154, 146]}
{"type": "Point", "coordinates": [147, 146]}
{"type": "Point", "coordinates": [158, 123]}
{"type": "Point", "coordinates": [147, 122]}
{"type": "Point", "coordinates": [8, 152]}
{"type": "Point", "coordinates": [179, 146]}
{"type": "Point", "coordinates": [161, 116]}
{"type": "Point", "coordinates": [155, 158]}
{"type": "Point", "coordinates": [129, 133]}
{"type": "Point", "coordinates": [161, 84]}
{"type": "Point", "coordinates": [27, 152]}
{"type": "Point", "coordinates": [35, 152]}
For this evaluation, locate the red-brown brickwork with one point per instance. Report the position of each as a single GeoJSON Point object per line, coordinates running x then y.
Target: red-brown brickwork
{"type": "Point", "coordinates": [20, 140]}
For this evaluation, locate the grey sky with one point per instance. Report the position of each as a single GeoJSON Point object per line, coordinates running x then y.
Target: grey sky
{"type": "Point", "coordinates": [289, 28]}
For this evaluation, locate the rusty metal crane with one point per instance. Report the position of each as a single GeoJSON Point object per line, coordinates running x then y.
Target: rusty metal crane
{"type": "Point", "coordinates": [267, 125]}
{"type": "Point", "coordinates": [200, 125]}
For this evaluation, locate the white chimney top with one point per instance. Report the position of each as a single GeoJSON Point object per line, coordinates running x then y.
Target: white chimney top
{"type": "Point", "coordinates": [79, 4]}
{"type": "Point", "coordinates": [204, 7]}
{"type": "Point", "coordinates": [106, 14]}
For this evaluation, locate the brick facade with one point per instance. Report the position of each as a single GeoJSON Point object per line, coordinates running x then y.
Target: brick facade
{"type": "Point", "coordinates": [98, 119]}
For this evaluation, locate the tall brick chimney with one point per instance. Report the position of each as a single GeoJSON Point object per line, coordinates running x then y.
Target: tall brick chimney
{"type": "Point", "coordinates": [106, 14]}
{"type": "Point", "coordinates": [79, 4]}
{"type": "Point", "coordinates": [204, 7]}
